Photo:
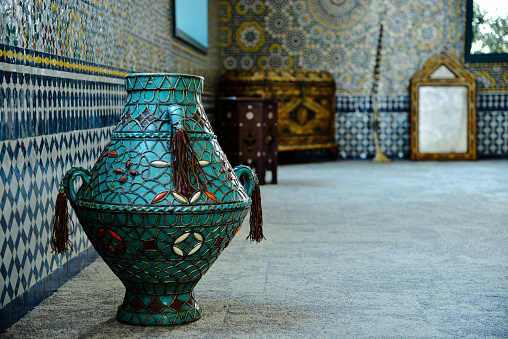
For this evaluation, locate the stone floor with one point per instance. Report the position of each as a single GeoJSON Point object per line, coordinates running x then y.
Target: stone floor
{"type": "Point", "coordinates": [354, 249]}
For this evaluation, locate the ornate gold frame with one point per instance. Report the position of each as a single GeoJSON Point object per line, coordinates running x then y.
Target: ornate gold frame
{"type": "Point", "coordinates": [462, 77]}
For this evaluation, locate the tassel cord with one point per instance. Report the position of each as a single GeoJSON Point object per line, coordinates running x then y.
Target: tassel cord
{"type": "Point", "coordinates": [185, 165]}
{"type": "Point", "coordinates": [256, 217]}
{"type": "Point", "coordinates": [60, 241]}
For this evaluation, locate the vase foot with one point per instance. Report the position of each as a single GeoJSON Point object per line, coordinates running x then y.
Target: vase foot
{"type": "Point", "coordinates": [158, 310]}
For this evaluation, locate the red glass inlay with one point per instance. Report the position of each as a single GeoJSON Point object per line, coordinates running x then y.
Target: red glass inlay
{"type": "Point", "coordinates": [120, 249]}
{"type": "Point", "coordinates": [118, 170]}
{"type": "Point", "coordinates": [128, 164]}
{"type": "Point", "coordinates": [122, 179]}
{"type": "Point", "coordinates": [159, 197]}
{"type": "Point", "coordinates": [113, 153]}
{"type": "Point", "coordinates": [116, 236]}
{"type": "Point", "coordinates": [211, 196]}
{"type": "Point", "coordinates": [133, 173]}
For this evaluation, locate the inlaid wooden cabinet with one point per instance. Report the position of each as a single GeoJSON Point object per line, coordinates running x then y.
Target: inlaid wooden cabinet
{"type": "Point", "coordinates": [248, 133]}
{"type": "Point", "coordinates": [306, 104]}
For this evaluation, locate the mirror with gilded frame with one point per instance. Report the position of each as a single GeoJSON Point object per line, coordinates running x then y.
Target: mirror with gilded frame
{"type": "Point", "coordinates": [443, 111]}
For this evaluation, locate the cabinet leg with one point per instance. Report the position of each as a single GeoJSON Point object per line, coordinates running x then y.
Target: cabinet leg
{"type": "Point", "coordinates": [334, 153]}
{"type": "Point", "coordinates": [261, 172]}
{"type": "Point", "coordinates": [274, 173]}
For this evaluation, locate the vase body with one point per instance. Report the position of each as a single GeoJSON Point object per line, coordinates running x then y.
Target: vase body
{"type": "Point", "coordinates": [157, 241]}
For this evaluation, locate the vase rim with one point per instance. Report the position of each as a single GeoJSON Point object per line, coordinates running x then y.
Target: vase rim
{"type": "Point", "coordinates": [133, 75]}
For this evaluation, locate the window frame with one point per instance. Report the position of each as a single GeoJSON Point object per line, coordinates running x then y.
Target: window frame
{"type": "Point", "coordinates": [477, 58]}
{"type": "Point", "coordinates": [184, 37]}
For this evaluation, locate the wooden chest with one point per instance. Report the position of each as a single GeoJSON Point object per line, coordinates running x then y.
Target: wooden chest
{"type": "Point", "coordinates": [306, 104]}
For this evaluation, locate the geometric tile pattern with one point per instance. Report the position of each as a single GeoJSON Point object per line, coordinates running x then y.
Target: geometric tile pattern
{"type": "Point", "coordinates": [354, 133]}
{"type": "Point", "coordinates": [490, 77]}
{"type": "Point", "coordinates": [492, 101]}
{"type": "Point", "coordinates": [102, 37]}
{"type": "Point", "coordinates": [340, 37]}
{"type": "Point", "coordinates": [355, 114]}
{"type": "Point", "coordinates": [30, 173]}
{"type": "Point", "coordinates": [34, 104]}
{"type": "Point", "coordinates": [40, 58]}
{"type": "Point", "coordinates": [492, 124]}
{"type": "Point", "coordinates": [45, 287]}
{"type": "Point", "coordinates": [492, 137]}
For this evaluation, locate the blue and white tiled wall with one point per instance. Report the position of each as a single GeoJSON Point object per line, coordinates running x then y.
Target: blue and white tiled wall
{"type": "Point", "coordinates": [62, 90]}
{"type": "Point", "coordinates": [354, 133]}
{"type": "Point", "coordinates": [51, 120]}
{"type": "Point", "coordinates": [492, 124]}
{"type": "Point", "coordinates": [355, 114]}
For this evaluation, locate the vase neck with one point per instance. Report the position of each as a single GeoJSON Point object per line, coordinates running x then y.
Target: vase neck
{"type": "Point", "coordinates": [163, 81]}
{"type": "Point", "coordinates": [166, 89]}
{"type": "Point", "coordinates": [155, 101]}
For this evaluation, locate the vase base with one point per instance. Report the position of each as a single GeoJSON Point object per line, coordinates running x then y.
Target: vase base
{"type": "Point", "coordinates": [158, 310]}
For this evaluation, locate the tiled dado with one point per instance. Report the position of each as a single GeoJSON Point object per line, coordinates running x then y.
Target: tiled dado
{"type": "Point", "coordinates": [355, 115]}
{"type": "Point", "coordinates": [36, 101]}
{"type": "Point", "coordinates": [492, 124]}
{"type": "Point", "coordinates": [24, 56]}
{"type": "Point", "coordinates": [30, 173]}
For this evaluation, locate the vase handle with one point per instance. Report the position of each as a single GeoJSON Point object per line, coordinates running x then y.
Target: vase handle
{"type": "Point", "coordinates": [249, 176]}
{"type": "Point", "coordinates": [177, 114]}
{"type": "Point", "coordinates": [68, 181]}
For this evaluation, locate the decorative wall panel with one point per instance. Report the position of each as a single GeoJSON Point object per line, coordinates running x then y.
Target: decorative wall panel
{"type": "Point", "coordinates": [30, 174]}
{"type": "Point", "coordinates": [340, 37]}
{"type": "Point", "coordinates": [37, 101]}
{"type": "Point", "coordinates": [62, 64]}
{"type": "Point", "coordinates": [492, 122]}
{"type": "Point", "coordinates": [354, 120]}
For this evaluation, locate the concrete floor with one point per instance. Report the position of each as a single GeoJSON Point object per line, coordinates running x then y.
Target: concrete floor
{"type": "Point", "coordinates": [354, 250]}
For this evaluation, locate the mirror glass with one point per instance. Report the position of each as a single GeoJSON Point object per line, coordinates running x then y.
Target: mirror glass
{"type": "Point", "coordinates": [442, 119]}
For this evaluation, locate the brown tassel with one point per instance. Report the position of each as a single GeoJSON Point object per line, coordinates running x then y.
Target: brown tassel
{"type": "Point", "coordinates": [60, 236]}
{"type": "Point", "coordinates": [256, 216]}
{"type": "Point", "coordinates": [185, 165]}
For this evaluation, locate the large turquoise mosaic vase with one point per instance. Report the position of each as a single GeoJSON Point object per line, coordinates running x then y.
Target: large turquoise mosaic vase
{"type": "Point", "coordinates": [159, 242]}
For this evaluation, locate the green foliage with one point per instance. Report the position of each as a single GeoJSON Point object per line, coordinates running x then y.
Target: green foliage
{"type": "Point", "coordinates": [490, 33]}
